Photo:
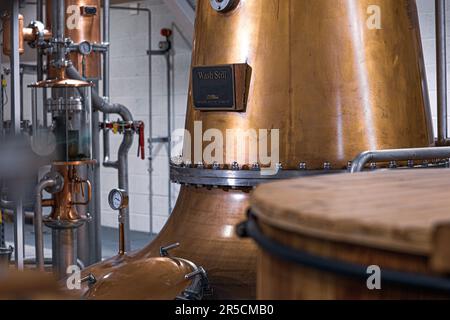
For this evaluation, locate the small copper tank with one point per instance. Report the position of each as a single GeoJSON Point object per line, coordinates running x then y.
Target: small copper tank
{"type": "Point", "coordinates": [82, 24]}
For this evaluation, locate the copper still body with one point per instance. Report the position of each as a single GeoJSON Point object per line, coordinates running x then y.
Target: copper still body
{"type": "Point", "coordinates": [82, 25]}
{"type": "Point", "coordinates": [332, 86]}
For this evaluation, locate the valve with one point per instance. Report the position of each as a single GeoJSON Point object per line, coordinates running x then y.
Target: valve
{"type": "Point", "coordinates": [141, 147]}
{"type": "Point", "coordinates": [166, 32]}
{"type": "Point", "coordinates": [120, 127]}
{"type": "Point", "coordinates": [166, 45]}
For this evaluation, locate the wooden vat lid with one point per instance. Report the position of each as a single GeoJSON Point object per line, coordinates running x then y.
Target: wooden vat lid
{"type": "Point", "coordinates": [403, 210]}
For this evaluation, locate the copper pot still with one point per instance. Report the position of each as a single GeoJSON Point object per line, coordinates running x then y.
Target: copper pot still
{"type": "Point", "coordinates": [331, 85]}
{"type": "Point", "coordinates": [82, 25]}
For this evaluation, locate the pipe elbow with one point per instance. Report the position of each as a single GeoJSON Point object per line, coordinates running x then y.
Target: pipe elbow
{"type": "Point", "coordinates": [360, 161]}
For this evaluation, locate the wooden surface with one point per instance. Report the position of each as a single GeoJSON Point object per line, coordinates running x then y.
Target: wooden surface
{"type": "Point", "coordinates": [397, 220]}
{"type": "Point", "coordinates": [397, 210]}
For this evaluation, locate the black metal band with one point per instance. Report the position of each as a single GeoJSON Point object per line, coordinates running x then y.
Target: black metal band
{"type": "Point", "coordinates": [251, 229]}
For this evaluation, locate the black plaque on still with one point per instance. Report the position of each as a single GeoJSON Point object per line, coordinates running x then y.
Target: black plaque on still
{"type": "Point", "coordinates": [213, 88]}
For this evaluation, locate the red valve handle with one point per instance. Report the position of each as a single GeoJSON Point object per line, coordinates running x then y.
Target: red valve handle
{"type": "Point", "coordinates": [141, 148]}
{"type": "Point", "coordinates": [166, 32]}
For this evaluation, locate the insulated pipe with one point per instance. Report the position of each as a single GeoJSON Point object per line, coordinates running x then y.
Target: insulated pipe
{"type": "Point", "coordinates": [122, 160]}
{"type": "Point", "coordinates": [441, 72]}
{"type": "Point", "coordinates": [38, 226]}
{"type": "Point", "coordinates": [362, 159]}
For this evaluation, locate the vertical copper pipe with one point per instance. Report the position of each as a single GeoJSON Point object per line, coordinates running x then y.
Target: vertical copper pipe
{"type": "Point", "coordinates": [121, 238]}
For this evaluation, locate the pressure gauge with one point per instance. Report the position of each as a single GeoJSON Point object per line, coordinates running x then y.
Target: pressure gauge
{"type": "Point", "coordinates": [118, 199]}
{"type": "Point", "coordinates": [223, 5]}
{"type": "Point", "coordinates": [85, 48]}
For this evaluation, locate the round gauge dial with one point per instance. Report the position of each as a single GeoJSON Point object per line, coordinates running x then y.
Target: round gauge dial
{"type": "Point", "coordinates": [118, 199]}
{"type": "Point", "coordinates": [85, 48]}
{"type": "Point", "coordinates": [223, 5]}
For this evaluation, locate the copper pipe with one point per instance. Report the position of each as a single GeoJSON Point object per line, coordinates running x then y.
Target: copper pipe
{"type": "Point", "coordinates": [89, 197]}
{"type": "Point", "coordinates": [122, 162]}
{"type": "Point", "coordinates": [7, 35]}
{"type": "Point", "coordinates": [25, 35]}
{"type": "Point", "coordinates": [121, 238]}
{"type": "Point", "coordinates": [48, 202]}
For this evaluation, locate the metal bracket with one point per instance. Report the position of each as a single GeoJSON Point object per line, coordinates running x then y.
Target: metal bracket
{"type": "Point", "coordinates": [199, 287]}
{"type": "Point", "coordinates": [90, 279]}
{"type": "Point", "coordinates": [59, 182]}
{"type": "Point", "coordinates": [164, 251]}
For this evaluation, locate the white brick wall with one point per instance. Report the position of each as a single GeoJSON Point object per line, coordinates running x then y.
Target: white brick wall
{"type": "Point", "coordinates": [129, 85]}
{"type": "Point", "coordinates": [427, 25]}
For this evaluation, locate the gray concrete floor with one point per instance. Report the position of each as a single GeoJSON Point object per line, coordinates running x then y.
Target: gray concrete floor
{"type": "Point", "coordinates": [110, 239]}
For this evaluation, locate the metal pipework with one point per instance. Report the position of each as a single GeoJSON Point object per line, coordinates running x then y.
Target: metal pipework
{"type": "Point", "coordinates": [15, 121]}
{"type": "Point", "coordinates": [39, 17]}
{"type": "Point", "coordinates": [64, 250]}
{"type": "Point", "coordinates": [122, 159]}
{"type": "Point", "coordinates": [58, 29]}
{"type": "Point", "coordinates": [65, 219]}
{"type": "Point", "coordinates": [106, 79]}
{"type": "Point", "coordinates": [166, 49]}
{"type": "Point", "coordinates": [441, 72]}
{"type": "Point", "coordinates": [362, 159]}
{"type": "Point", "coordinates": [55, 181]}
{"type": "Point", "coordinates": [150, 88]}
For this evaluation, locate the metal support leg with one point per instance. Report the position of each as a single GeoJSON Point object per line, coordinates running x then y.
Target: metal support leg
{"type": "Point", "coordinates": [64, 246]}
{"type": "Point", "coordinates": [441, 72]}
{"type": "Point", "coordinates": [15, 122]}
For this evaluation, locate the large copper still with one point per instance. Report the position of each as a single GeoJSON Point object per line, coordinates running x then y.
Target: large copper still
{"type": "Point", "coordinates": [333, 87]}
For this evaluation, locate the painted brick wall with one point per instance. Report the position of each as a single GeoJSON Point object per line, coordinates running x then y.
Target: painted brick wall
{"type": "Point", "coordinates": [427, 25]}
{"type": "Point", "coordinates": [129, 86]}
